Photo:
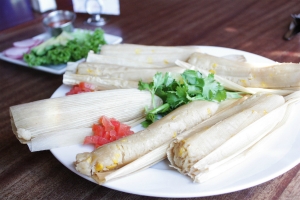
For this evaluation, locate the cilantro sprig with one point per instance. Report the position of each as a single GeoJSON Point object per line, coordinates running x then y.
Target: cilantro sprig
{"type": "Point", "coordinates": [189, 86]}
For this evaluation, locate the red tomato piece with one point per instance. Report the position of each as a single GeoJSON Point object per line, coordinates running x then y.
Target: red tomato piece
{"type": "Point", "coordinates": [101, 141]}
{"type": "Point", "coordinates": [106, 131]}
{"type": "Point", "coordinates": [124, 130]}
{"type": "Point", "coordinates": [89, 140]}
{"type": "Point", "coordinates": [113, 138]}
{"type": "Point", "coordinates": [106, 135]}
{"type": "Point", "coordinates": [80, 88]}
{"type": "Point", "coordinates": [98, 130]}
{"type": "Point", "coordinates": [87, 86]}
{"type": "Point", "coordinates": [108, 126]}
{"type": "Point", "coordinates": [115, 123]}
{"type": "Point", "coordinates": [112, 134]}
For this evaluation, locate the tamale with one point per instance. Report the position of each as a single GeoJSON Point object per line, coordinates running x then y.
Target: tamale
{"type": "Point", "coordinates": [185, 153]}
{"type": "Point", "coordinates": [159, 153]}
{"type": "Point", "coordinates": [124, 73]}
{"type": "Point", "coordinates": [119, 61]}
{"type": "Point", "coordinates": [233, 86]}
{"type": "Point", "coordinates": [271, 76]}
{"type": "Point", "coordinates": [100, 83]}
{"type": "Point", "coordinates": [267, 131]}
{"type": "Point", "coordinates": [121, 152]}
{"type": "Point", "coordinates": [78, 111]}
{"type": "Point", "coordinates": [158, 55]}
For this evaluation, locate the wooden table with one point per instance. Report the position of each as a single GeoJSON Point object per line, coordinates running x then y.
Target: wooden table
{"type": "Point", "coordinates": [249, 25]}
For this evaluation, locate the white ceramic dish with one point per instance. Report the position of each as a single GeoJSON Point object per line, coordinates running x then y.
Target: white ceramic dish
{"type": "Point", "coordinates": [279, 155]}
{"type": "Point", "coordinates": [55, 69]}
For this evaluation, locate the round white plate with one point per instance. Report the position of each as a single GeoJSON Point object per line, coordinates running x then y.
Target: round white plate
{"type": "Point", "coordinates": [280, 154]}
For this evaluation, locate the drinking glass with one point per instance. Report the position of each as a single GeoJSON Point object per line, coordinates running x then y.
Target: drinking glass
{"type": "Point", "coordinates": [94, 8]}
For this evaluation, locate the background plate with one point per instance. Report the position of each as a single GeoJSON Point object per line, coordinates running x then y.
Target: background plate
{"type": "Point", "coordinates": [280, 153]}
{"type": "Point", "coordinates": [55, 69]}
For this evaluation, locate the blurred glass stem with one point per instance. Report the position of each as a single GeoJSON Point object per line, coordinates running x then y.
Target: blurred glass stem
{"type": "Point", "coordinates": [94, 8]}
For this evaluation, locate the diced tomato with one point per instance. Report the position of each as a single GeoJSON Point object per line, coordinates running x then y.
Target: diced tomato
{"type": "Point", "coordinates": [125, 130]}
{"type": "Point", "coordinates": [106, 131]}
{"type": "Point", "coordinates": [101, 141]}
{"type": "Point", "coordinates": [90, 139]}
{"type": "Point", "coordinates": [75, 90]}
{"type": "Point", "coordinates": [113, 135]}
{"type": "Point", "coordinates": [115, 123]}
{"type": "Point", "coordinates": [98, 130]}
{"type": "Point", "coordinates": [81, 87]}
{"type": "Point", "coordinates": [105, 122]}
{"type": "Point", "coordinates": [106, 135]}
{"type": "Point", "coordinates": [86, 86]}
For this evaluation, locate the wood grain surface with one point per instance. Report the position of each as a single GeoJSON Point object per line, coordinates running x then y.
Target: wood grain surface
{"type": "Point", "coordinates": [248, 25]}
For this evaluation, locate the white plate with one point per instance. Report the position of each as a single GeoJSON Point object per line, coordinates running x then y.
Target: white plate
{"type": "Point", "coordinates": [55, 69]}
{"type": "Point", "coordinates": [280, 155]}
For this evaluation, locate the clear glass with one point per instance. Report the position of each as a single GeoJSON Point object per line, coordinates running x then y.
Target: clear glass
{"type": "Point", "coordinates": [94, 8]}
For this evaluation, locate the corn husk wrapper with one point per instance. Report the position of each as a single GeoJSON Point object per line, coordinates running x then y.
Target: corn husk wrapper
{"type": "Point", "coordinates": [158, 55]}
{"type": "Point", "coordinates": [113, 71]}
{"type": "Point", "coordinates": [282, 92]}
{"type": "Point", "coordinates": [98, 82]}
{"type": "Point", "coordinates": [124, 73]}
{"type": "Point", "coordinates": [143, 162]}
{"type": "Point", "coordinates": [271, 76]}
{"type": "Point", "coordinates": [184, 154]}
{"type": "Point", "coordinates": [138, 49]}
{"type": "Point", "coordinates": [58, 139]}
{"type": "Point", "coordinates": [124, 151]}
{"type": "Point", "coordinates": [68, 137]}
{"type": "Point", "coordinates": [230, 85]}
{"type": "Point", "coordinates": [241, 141]}
{"type": "Point", "coordinates": [78, 111]}
{"type": "Point", "coordinates": [235, 57]}
{"type": "Point", "coordinates": [115, 60]}
{"type": "Point", "coordinates": [118, 61]}
{"type": "Point", "coordinates": [159, 153]}
{"type": "Point", "coordinates": [107, 77]}
{"type": "Point", "coordinates": [292, 97]}
{"type": "Point", "coordinates": [255, 150]}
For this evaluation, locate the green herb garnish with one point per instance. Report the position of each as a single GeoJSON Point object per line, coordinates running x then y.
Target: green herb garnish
{"type": "Point", "coordinates": [176, 91]}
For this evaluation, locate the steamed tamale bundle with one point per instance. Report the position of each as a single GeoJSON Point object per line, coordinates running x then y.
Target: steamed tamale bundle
{"type": "Point", "coordinates": [207, 153]}
{"type": "Point", "coordinates": [163, 56]}
{"type": "Point", "coordinates": [236, 86]}
{"type": "Point", "coordinates": [30, 120]}
{"type": "Point", "coordinates": [122, 66]}
{"type": "Point", "coordinates": [117, 61]}
{"type": "Point", "coordinates": [124, 73]}
{"type": "Point", "coordinates": [248, 121]}
{"type": "Point", "coordinates": [98, 82]}
{"type": "Point", "coordinates": [119, 66]}
{"type": "Point", "coordinates": [105, 76]}
{"type": "Point", "coordinates": [121, 152]}
{"type": "Point", "coordinates": [158, 153]}
{"type": "Point", "coordinates": [271, 76]}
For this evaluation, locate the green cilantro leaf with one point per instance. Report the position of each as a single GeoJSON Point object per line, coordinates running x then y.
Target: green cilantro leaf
{"type": "Point", "coordinates": [190, 86]}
